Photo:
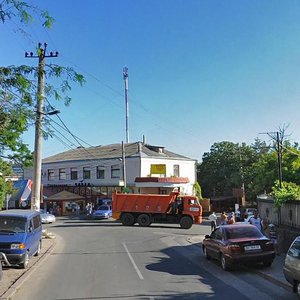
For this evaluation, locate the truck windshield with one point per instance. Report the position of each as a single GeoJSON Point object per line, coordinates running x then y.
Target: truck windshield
{"type": "Point", "coordinates": [12, 224]}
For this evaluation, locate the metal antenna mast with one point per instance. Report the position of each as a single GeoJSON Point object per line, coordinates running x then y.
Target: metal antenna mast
{"type": "Point", "coordinates": [125, 76]}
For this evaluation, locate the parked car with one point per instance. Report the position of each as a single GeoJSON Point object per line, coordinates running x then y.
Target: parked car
{"type": "Point", "coordinates": [291, 268]}
{"type": "Point", "coordinates": [20, 236]}
{"type": "Point", "coordinates": [46, 217]}
{"type": "Point", "coordinates": [103, 212]}
{"type": "Point", "coordinates": [238, 243]}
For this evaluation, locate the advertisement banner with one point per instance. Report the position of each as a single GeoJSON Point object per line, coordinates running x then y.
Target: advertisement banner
{"type": "Point", "coordinates": [158, 169]}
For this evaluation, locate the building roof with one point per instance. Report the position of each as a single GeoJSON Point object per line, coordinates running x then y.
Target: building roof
{"type": "Point", "coordinates": [115, 151]}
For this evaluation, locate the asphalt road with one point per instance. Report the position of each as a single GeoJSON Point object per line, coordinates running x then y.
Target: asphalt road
{"type": "Point", "coordinates": [105, 260]}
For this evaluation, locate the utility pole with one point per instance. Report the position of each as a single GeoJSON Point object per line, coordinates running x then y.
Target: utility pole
{"type": "Point", "coordinates": [37, 166]}
{"type": "Point", "coordinates": [279, 159]}
{"type": "Point", "coordinates": [125, 77]}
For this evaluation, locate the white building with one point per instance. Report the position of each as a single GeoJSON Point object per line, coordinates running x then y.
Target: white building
{"type": "Point", "coordinates": [99, 170]}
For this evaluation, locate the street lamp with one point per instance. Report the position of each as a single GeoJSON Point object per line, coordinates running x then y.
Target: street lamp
{"type": "Point", "coordinates": [37, 165]}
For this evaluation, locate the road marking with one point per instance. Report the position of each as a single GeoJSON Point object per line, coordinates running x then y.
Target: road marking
{"type": "Point", "coordinates": [133, 263]}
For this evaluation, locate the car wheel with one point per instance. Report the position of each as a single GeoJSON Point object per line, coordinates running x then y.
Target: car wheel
{"type": "Point", "coordinates": [38, 251]}
{"type": "Point", "coordinates": [205, 253]}
{"type": "Point", "coordinates": [127, 219]}
{"type": "Point", "coordinates": [267, 263]}
{"type": "Point", "coordinates": [143, 220]}
{"type": "Point", "coordinates": [186, 222]}
{"type": "Point", "coordinates": [224, 263]}
{"type": "Point", "coordinates": [24, 264]}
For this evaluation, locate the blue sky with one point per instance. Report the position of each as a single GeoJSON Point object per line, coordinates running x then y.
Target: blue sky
{"type": "Point", "coordinates": [199, 71]}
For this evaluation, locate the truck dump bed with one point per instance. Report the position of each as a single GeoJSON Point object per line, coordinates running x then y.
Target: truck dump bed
{"type": "Point", "coordinates": [149, 203]}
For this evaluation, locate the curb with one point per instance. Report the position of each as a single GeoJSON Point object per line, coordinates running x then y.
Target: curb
{"type": "Point", "coordinates": [272, 279]}
{"type": "Point", "coordinates": [23, 277]}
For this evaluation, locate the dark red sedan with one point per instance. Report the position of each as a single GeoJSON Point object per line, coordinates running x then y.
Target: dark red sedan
{"type": "Point", "coordinates": [238, 243]}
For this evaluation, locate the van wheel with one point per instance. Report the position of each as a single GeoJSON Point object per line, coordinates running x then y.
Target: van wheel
{"type": "Point", "coordinates": [38, 251]}
{"type": "Point", "coordinates": [127, 219]}
{"type": "Point", "coordinates": [24, 264]}
{"type": "Point", "coordinates": [186, 222]}
{"type": "Point", "coordinates": [144, 220]}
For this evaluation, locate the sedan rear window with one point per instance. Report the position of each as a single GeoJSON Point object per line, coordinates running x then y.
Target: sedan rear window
{"type": "Point", "coordinates": [242, 232]}
{"type": "Point", "coordinates": [103, 207]}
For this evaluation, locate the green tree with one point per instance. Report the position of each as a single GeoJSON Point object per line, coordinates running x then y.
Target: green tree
{"type": "Point", "coordinates": [18, 92]}
{"type": "Point", "coordinates": [225, 167]}
{"type": "Point", "coordinates": [197, 189]}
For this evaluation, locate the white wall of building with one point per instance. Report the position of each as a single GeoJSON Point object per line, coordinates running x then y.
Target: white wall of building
{"type": "Point", "coordinates": [135, 167]}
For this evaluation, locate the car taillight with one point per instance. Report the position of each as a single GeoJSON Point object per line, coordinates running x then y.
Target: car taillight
{"type": "Point", "coordinates": [269, 246]}
{"type": "Point", "coordinates": [234, 248]}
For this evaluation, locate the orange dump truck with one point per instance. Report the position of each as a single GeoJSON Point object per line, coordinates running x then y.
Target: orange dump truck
{"type": "Point", "coordinates": [145, 209]}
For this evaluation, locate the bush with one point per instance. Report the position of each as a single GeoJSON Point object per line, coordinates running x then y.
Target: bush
{"type": "Point", "coordinates": [287, 191]}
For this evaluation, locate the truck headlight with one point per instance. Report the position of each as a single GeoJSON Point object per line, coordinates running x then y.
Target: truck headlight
{"type": "Point", "coordinates": [17, 246]}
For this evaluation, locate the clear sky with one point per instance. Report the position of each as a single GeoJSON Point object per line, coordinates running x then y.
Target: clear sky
{"type": "Point", "coordinates": [199, 71]}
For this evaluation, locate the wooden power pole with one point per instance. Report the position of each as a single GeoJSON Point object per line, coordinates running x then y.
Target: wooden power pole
{"type": "Point", "coordinates": [37, 166]}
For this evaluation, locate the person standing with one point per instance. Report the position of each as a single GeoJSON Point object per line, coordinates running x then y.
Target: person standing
{"type": "Point", "coordinates": [213, 221]}
{"type": "Point", "coordinates": [273, 237]}
{"type": "Point", "coordinates": [223, 218]}
{"type": "Point", "coordinates": [256, 221]}
{"type": "Point", "coordinates": [232, 219]}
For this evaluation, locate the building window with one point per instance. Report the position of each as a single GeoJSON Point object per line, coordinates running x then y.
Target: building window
{"type": "Point", "coordinates": [115, 171]}
{"type": "Point", "coordinates": [176, 170]}
{"type": "Point", "coordinates": [50, 174]}
{"type": "Point", "coordinates": [74, 174]}
{"type": "Point", "coordinates": [87, 173]}
{"type": "Point", "coordinates": [62, 174]}
{"type": "Point", "coordinates": [100, 173]}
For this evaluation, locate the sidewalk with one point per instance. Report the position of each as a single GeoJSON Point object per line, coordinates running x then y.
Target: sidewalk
{"type": "Point", "coordinates": [13, 277]}
{"type": "Point", "coordinates": [273, 273]}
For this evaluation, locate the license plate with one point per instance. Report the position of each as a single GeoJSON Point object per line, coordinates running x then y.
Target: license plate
{"type": "Point", "coordinates": [194, 208]}
{"type": "Point", "coordinates": [252, 247]}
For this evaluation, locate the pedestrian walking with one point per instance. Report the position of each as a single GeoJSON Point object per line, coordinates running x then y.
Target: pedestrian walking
{"type": "Point", "coordinates": [256, 221]}
{"type": "Point", "coordinates": [213, 221]}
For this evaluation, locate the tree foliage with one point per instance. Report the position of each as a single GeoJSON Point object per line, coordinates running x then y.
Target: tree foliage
{"type": "Point", "coordinates": [225, 167]}
{"type": "Point", "coordinates": [228, 165]}
{"type": "Point", "coordinates": [287, 191]}
{"type": "Point", "coordinates": [197, 189]}
{"type": "Point", "coordinates": [18, 93]}
{"type": "Point", "coordinates": [23, 12]}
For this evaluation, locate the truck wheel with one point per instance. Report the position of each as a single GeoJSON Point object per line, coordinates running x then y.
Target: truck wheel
{"type": "Point", "coordinates": [127, 219]}
{"type": "Point", "coordinates": [186, 222]}
{"type": "Point", "coordinates": [144, 220]}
